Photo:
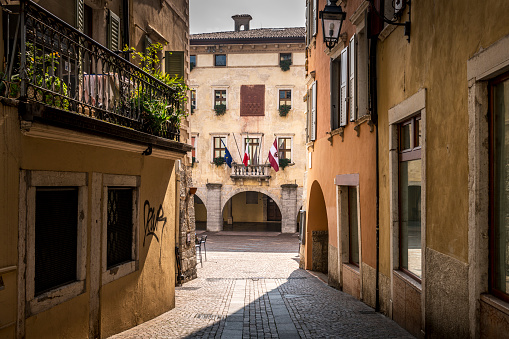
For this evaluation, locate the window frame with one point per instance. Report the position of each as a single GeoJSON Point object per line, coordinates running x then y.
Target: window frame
{"type": "Point", "coordinates": [279, 96]}
{"type": "Point", "coordinates": [225, 60]}
{"type": "Point", "coordinates": [406, 109]}
{"type": "Point", "coordinates": [193, 100]}
{"type": "Point", "coordinates": [291, 146]}
{"type": "Point", "coordinates": [212, 144]}
{"type": "Point", "coordinates": [29, 181]}
{"type": "Point", "coordinates": [191, 66]}
{"type": "Point", "coordinates": [121, 270]}
{"type": "Point", "coordinates": [492, 190]}
{"type": "Point", "coordinates": [244, 145]}
{"type": "Point", "coordinates": [406, 155]}
{"type": "Point", "coordinates": [214, 96]}
{"type": "Point", "coordinates": [350, 261]}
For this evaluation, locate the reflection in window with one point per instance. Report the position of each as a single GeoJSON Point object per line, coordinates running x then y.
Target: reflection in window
{"type": "Point", "coordinates": [219, 147]}
{"type": "Point", "coordinates": [220, 60]}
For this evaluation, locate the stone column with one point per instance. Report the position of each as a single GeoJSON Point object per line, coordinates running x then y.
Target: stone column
{"type": "Point", "coordinates": [214, 212]}
{"type": "Point", "coordinates": [289, 208]}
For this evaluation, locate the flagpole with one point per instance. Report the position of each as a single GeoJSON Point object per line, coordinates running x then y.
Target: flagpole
{"type": "Point", "coordinates": [240, 156]}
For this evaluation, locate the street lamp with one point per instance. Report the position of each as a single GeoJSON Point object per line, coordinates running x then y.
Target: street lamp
{"type": "Point", "coordinates": [332, 18]}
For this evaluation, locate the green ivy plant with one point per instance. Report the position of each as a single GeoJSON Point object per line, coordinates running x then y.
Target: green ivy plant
{"type": "Point", "coordinates": [284, 162]}
{"type": "Point", "coordinates": [285, 65]}
{"type": "Point", "coordinates": [156, 111]}
{"type": "Point", "coordinates": [220, 109]}
{"type": "Point", "coordinates": [284, 109]}
{"type": "Point", "coordinates": [218, 161]}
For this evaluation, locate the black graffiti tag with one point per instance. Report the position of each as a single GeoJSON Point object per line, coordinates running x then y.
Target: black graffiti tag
{"type": "Point", "coordinates": [151, 220]}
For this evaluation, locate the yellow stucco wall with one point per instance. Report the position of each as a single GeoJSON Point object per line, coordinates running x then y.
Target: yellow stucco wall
{"type": "Point", "coordinates": [200, 212]}
{"type": "Point", "coordinates": [242, 212]}
{"type": "Point", "coordinates": [126, 301]}
{"type": "Point", "coordinates": [436, 59]}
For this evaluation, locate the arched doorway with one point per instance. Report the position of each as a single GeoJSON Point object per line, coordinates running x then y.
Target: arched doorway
{"type": "Point", "coordinates": [317, 238]}
{"type": "Point", "coordinates": [200, 213]}
{"type": "Point", "coordinates": [251, 211]}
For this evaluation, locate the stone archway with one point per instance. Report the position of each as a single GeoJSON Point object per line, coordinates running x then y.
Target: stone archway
{"type": "Point", "coordinates": [317, 239]}
{"type": "Point", "coordinates": [250, 210]}
{"type": "Point", "coordinates": [200, 213]}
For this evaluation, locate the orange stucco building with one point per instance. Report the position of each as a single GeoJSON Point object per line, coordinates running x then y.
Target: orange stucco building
{"type": "Point", "coordinates": [341, 169]}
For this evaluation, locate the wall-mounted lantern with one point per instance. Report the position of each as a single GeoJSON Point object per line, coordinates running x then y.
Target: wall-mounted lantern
{"type": "Point", "coordinates": [332, 19]}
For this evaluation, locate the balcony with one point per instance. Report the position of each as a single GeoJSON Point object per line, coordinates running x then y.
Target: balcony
{"type": "Point", "coordinates": [63, 77]}
{"type": "Point", "coordinates": [259, 172]}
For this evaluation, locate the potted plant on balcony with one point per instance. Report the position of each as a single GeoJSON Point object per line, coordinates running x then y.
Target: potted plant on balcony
{"type": "Point", "coordinates": [285, 65]}
{"type": "Point", "coordinates": [284, 109]}
{"type": "Point", "coordinates": [218, 161]}
{"type": "Point", "coordinates": [284, 162]}
{"type": "Point", "coordinates": [157, 112]}
{"type": "Point", "coordinates": [220, 109]}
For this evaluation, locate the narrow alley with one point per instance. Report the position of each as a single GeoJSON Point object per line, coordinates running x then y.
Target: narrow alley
{"type": "Point", "coordinates": [250, 286]}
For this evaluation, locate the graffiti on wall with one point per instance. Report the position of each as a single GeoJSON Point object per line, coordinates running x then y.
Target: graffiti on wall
{"type": "Point", "coordinates": [152, 221]}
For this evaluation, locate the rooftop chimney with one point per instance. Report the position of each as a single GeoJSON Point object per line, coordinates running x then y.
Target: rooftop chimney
{"type": "Point", "coordinates": [242, 20]}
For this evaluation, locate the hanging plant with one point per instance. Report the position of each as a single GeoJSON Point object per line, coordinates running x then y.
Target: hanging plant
{"type": "Point", "coordinates": [284, 109]}
{"type": "Point", "coordinates": [283, 163]}
{"type": "Point", "coordinates": [218, 161]}
{"type": "Point", "coordinates": [220, 109]}
{"type": "Point", "coordinates": [285, 65]}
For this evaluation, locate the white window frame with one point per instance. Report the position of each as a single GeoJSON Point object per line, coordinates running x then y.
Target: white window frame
{"type": "Point", "coordinates": [219, 88]}
{"type": "Point", "coordinates": [291, 94]}
{"type": "Point", "coordinates": [29, 181]}
{"type": "Point", "coordinates": [216, 135]}
{"type": "Point", "coordinates": [119, 271]}
{"type": "Point", "coordinates": [343, 83]}
{"type": "Point", "coordinates": [352, 78]}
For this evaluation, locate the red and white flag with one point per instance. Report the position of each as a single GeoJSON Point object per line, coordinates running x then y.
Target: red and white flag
{"type": "Point", "coordinates": [246, 156]}
{"type": "Point", "coordinates": [273, 156]}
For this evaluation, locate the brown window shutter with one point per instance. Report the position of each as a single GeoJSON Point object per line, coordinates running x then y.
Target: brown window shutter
{"type": "Point", "coordinates": [252, 100]}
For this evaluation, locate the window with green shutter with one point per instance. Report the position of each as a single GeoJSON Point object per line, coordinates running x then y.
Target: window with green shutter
{"type": "Point", "coordinates": [113, 31]}
{"type": "Point", "coordinates": [174, 63]}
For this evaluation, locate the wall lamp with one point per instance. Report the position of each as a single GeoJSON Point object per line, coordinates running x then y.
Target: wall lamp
{"type": "Point", "coordinates": [332, 19]}
{"type": "Point", "coordinates": [399, 6]}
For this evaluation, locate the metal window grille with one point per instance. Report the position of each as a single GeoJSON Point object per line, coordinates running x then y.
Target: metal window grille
{"type": "Point", "coordinates": [56, 237]}
{"type": "Point", "coordinates": [120, 226]}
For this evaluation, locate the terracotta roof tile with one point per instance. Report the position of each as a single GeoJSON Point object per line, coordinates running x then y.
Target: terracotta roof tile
{"type": "Point", "coordinates": [291, 32]}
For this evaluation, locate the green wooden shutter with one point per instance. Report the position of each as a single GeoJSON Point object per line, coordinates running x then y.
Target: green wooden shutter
{"type": "Point", "coordinates": [113, 31]}
{"type": "Point", "coordinates": [174, 63]}
{"type": "Point", "coordinates": [80, 15]}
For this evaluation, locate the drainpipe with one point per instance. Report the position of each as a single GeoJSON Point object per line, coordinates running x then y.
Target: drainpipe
{"type": "Point", "coordinates": [374, 118]}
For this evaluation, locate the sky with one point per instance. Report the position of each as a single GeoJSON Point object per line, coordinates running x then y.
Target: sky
{"type": "Point", "coordinates": [208, 16]}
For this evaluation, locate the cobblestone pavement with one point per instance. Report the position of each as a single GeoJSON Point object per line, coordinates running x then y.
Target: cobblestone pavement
{"type": "Point", "coordinates": [251, 286]}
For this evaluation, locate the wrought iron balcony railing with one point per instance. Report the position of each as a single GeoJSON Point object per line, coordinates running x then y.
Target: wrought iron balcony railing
{"type": "Point", "coordinates": [239, 171]}
{"type": "Point", "coordinates": [54, 64]}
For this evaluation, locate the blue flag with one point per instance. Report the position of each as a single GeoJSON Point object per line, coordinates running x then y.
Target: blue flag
{"type": "Point", "coordinates": [227, 156]}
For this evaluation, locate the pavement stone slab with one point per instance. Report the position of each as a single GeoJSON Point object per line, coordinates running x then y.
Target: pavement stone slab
{"type": "Point", "coordinates": [251, 287]}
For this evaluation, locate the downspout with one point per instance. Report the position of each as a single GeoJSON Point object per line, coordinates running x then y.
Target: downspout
{"type": "Point", "coordinates": [374, 118]}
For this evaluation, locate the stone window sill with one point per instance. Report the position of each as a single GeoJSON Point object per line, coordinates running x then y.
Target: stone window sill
{"type": "Point", "coordinates": [498, 304]}
{"type": "Point", "coordinates": [408, 279]}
